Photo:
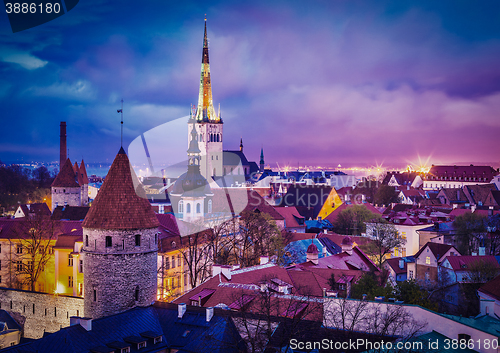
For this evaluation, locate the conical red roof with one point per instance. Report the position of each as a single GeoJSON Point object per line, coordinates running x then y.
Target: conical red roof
{"type": "Point", "coordinates": [66, 176]}
{"type": "Point", "coordinates": [117, 205]}
{"type": "Point", "coordinates": [83, 174]}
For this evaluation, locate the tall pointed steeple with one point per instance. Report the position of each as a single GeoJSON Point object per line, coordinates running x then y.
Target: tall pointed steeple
{"type": "Point", "coordinates": [205, 111]}
{"type": "Point", "coordinates": [261, 163]}
{"type": "Point", "coordinates": [241, 144]}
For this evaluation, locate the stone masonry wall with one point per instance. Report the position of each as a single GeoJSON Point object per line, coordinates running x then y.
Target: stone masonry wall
{"type": "Point", "coordinates": [70, 195]}
{"type": "Point", "coordinates": [42, 312]}
{"type": "Point", "coordinates": [113, 274]}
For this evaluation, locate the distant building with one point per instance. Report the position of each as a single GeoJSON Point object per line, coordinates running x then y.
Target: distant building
{"type": "Point", "coordinates": [454, 176]}
{"type": "Point", "coordinates": [70, 187]}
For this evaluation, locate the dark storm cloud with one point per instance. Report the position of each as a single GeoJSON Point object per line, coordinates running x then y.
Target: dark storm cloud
{"type": "Point", "coordinates": [321, 81]}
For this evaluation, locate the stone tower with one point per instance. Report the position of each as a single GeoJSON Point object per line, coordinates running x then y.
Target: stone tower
{"type": "Point", "coordinates": [65, 189]}
{"type": "Point", "coordinates": [207, 122]}
{"type": "Point", "coordinates": [120, 245]}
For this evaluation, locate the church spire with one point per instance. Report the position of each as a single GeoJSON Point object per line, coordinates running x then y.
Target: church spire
{"type": "Point", "coordinates": [261, 163]}
{"type": "Point", "coordinates": [241, 144]}
{"type": "Point", "coordinates": [205, 111]}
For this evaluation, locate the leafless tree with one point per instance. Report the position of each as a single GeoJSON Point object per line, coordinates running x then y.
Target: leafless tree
{"type": "Point", "coordinates": [385, 238]}
{"type": "Point", "coordinates": [33, 248]}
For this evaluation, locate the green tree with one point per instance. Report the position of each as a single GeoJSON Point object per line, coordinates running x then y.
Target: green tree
{"type": "Point", "coordinates": [352, 220]}
{"type": "Point", "coordinates": [470, 231]}
{"type": "Point", "coordinates": [370, 285]}
{"type": "Point", "coordinates": [259, 236]}
{"type": "Point", "coordinates": [385, 195]}
{"type": "Point", "coordinates": [412, 293]}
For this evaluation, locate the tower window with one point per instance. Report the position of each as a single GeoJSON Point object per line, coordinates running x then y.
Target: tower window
{"type": "Point", "coordinates": [137, 240]}
{"type": "Point", "coordinates": [86, 240]}
{"type": "Point", "coordinates": [95, 295]}
{"type": "Point", "coordinates": [136, 294]}
{"type": "Point", "coordinates": [109, 242]}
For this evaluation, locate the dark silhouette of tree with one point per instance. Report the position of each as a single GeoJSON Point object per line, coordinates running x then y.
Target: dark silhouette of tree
{"type": "Point", "coordinates": [352, 220]}
{"type": "Point", "coordinates": [470, 232]}
{"type": "Point", "coordinates": [386, 195]}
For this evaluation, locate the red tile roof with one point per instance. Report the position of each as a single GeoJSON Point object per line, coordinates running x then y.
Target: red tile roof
{"type": "Point", "coordinates": [443, 171]}
{"type": "Point", "coordinates": [118, 205]}
{"type": "Point", "coordinates": [290, 214]}
{"type": "Point", "coordinates": [438, 250]}
{"type": "Point", "coordinates": [66, 176]}
{"type": "Point", "coordinates": [464, 263]}
{"type": "Point", "coordinates": [492, 288]}
{"type": "Point", "coordinates": [83, 172]}
{"type": "Point", "coordinates": [394, 264]}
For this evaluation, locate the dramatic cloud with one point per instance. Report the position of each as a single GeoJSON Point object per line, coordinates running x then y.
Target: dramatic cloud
{"type": "Point", "coordinates": [351, 82]}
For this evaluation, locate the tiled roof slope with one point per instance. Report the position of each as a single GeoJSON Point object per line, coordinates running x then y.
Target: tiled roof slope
{"type": "Point", "coordinates": [83, 173]}
{"type": "Point", "coordinates": [438, 250]}
{"type": "Point", "coordinates": [492, 288]}
{"type": "Point", "coordinates": [464, 263]}
{"type": "Point", "coordinates": [117, 205]}
{"type": "Point", "coordinates": [66, 176]}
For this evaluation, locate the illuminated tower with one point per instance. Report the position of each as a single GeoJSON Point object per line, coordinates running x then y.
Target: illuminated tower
{"type": "Point", "coordinates": [207, 123]}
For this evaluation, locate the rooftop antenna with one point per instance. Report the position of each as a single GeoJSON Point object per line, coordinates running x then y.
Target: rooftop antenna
{"type": "Point", "coordinates": [121, 112]}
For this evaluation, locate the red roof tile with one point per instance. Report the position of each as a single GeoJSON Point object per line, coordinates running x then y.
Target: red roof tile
{"type": "Point", "coordinates": [464, 263]}
{"type": "Point", "coordinates": [492, 288]}
{"type": "Point", "coordinates": [291, 215]}
{"type": "Point", "coordinates": [118, 205]}
{"type": "Point", "coordinates": [66, 176]}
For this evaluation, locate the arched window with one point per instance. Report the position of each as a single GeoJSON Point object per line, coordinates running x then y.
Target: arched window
{"type": "Point", "coordinates": [198, 208]}
{"type": "Point", "coordinates": [181, 206]}
{"type": "Point", "coordinates": [209, 206]}
{"type": "Point", "coordinates": [188, 208]}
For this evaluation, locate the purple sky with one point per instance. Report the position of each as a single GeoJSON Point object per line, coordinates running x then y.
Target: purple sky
{"type": "Point", "coordinates": [315, 82]}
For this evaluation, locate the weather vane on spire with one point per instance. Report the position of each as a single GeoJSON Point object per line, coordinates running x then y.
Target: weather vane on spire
{"type": "Point", "coordinates": [121, 111]}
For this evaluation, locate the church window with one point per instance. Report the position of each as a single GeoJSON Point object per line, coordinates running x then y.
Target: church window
{"type": "Point", "coordinates": [109, 242]}
{"type": "Point", "coordinates": [70, 260]}
{"type": "Point", "coordinates": [198, 208]}
{"type": "Point", "coordinates": [137, 240]}
{"type": "Point", "coordinates": [209, 206]}
{"type": "Point", "coordinates": [188, 208]}
{"type": "Point", "coordinates": [181, 206]}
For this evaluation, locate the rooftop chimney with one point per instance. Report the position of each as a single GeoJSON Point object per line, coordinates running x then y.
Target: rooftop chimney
{"type": "Point", "coordinates": [62, 145]}
{"type": "Point", "coordinates": [210, 313]}
{"type": "Point", "coordinates": [181, 310]}
{"type": "Point", "coordinates": [86, 323]}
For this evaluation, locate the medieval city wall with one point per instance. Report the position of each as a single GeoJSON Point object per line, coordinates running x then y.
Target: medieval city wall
{"type": "Point", "coordinates": [41, 312]}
